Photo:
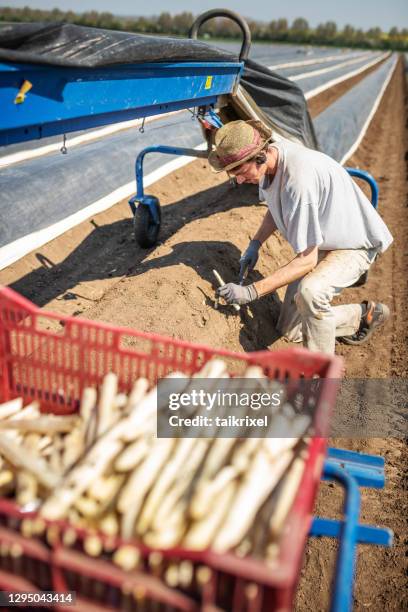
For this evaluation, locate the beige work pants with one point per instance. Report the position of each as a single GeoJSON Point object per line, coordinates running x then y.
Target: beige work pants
{"type": "Point", "coordinates": [307, 313]}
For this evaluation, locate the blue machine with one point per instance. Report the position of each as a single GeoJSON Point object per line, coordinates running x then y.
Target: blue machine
{"type": "Point", "coordinates": [62, 100]}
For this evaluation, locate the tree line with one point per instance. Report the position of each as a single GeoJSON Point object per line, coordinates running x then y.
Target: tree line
{"type": "Point", "coordinates": [279, 30]}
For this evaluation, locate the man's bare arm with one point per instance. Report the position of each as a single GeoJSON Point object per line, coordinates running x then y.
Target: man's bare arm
{"type": "Point", "coordinates": [266, 229]}
{"type": "Point", "coordinates": [301, 265]}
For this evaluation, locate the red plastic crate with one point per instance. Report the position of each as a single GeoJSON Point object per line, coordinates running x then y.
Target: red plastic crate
{"type": "Point", "coordinates": [52, 358]}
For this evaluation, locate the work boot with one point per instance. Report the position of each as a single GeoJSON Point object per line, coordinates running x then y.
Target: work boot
{"type": "Point", "coordinates": [374, 315]}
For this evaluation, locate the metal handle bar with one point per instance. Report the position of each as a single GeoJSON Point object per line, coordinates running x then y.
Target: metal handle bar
{"type": "Point", "coordinates": [246, 43]}
{"type": "Point", "coordinates": [362, 174]}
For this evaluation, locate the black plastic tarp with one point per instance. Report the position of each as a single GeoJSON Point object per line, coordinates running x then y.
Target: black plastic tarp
{"type": "Point", "coordinates": [65, 44]}
{"type": "Point", "coordinates": [62, 44]}
{"type": "Point", "coordinates": [281, 100]}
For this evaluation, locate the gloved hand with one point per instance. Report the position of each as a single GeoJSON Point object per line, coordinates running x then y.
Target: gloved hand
{"type": "Point", "coordinates": [237, 294]}
{"type": "Point", "coordinates": [249, 258]}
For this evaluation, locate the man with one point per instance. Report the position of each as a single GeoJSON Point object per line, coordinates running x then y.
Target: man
{"type": "Point", "coordinates": [334, 230]}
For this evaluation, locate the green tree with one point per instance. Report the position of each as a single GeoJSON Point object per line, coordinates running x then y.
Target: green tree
{"type": "Point", "coordinates": [165, 23]}
{"type": "Point", "coordinates": [182, 23]}
{"type": "Point", "coordinates": [299, 31]}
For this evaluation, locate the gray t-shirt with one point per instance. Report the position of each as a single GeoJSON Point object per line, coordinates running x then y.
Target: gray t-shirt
{"type": "Point", "coordinates": [314, 202]}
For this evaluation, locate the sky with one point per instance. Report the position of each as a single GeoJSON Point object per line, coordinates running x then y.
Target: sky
{"type": "Point", "coordinates": [359, 13]}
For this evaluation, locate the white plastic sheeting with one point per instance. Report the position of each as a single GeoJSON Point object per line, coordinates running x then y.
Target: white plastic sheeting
{"type": "Point", "coordinates": [340, 128]}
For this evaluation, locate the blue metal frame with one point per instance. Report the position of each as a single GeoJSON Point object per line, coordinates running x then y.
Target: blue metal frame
{"type": "Point", "coordinates": [140, 196]}
{"type": "Point", "coordinates": [206, 115]}
{"type": "Point", "coordinates": [63, 100]}
{"type": "Point", "coordinates": [351, 470]}
{"type": "Point", "coordinates": [366, 176]}
{"type": "Point", "coordinates": [367, 470]}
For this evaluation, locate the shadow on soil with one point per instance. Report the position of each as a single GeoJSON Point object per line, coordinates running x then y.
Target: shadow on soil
{"type": "Point", "coordinates": [110, 251]}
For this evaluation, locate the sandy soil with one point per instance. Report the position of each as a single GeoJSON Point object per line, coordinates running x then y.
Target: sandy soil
{"type": "Point", "coordinates": [96, 270]}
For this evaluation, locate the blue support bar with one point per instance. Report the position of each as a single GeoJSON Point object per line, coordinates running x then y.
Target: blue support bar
{"type": "Point", "coordinates": [366, 534]}
{"type": "Point", "coordinates": [370, 180]}
{"type": "Point", "coordinates": [368, 470]}
{"type": "Point", "coordinates": [344, 576]}
{"type": "Point", "coordinates": [159, 149]}
{"type": "Point", "coordinates": [341, 454]}
{"type": "Point", "coordinates": [147, 217]}
{"type": "Point", "coordinates": [214, 118]}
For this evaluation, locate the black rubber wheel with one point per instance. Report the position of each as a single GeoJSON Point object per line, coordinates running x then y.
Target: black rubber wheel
{"type": "Point", "coordinates": [145, 228]}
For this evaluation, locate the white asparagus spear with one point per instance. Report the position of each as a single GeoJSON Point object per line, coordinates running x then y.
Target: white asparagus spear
{"type": "Point", "coordinates": [221, 283]}
{"type": "Point", "coordinates": [243, 453]}
{"type": "Point", "coordinates": [76, 482]}
{"type": "Point", "coordinates": [159, 503]}
{"type": "Point", "coordinates": [87, 507]}
{"type": "Point", "coordinates": [9, 408]}
{"type": "Point", "coordinates": [257, 485]}
{"type": "Point", "coordinates": [208, 489]}
{"type": "Point", "coordinates": [176, 463]}
{"type": "Point", "coordinates": [208, 492]}
{"type": "Point", "coordinates": [139, 390]}
{"type": "Point", "coordinates": [31, 411]}
{"type": "Point", "coordinates": [93, 546]}
{"type": "Point", "coordinates": [286, 496]}
{"type": "Point", "coordinates": [274, 447]}
{"type": "Point", "coordinates": [253, 371]}
{"type": "Point", "coordinates": [281, 426]}
{"type": "Point", "coordinates": [201, 533]}
{"type": "Point", "coordinates": [74, 446]}
{"type": "Point", "coordinates": [87, 411]}
{"type": "Point", "coordinates": [84, 433]}
{"type": "Point", "coordinates": [43, 443]}
{"type": "Point", "coordinates": [109, 524]}
{"type": "Point", "coordinates": [140, 481]}
{"type": "Point", "coordinates": [216, 457]}
{"type": "Point", "coordinates": [42, 424]}
{"type": "Point", "coordinates": [106, 404]}
{"type": "Point", "coordinates": [26, 483]}
{"type": "Point", "coordinates": [133, 454]}
{"type": "Point", "coordinates": [120, 402]}
{"type": "Point", "coordinates": [215, 368]}
{"type": "Point", "coordinates": [127, 557]}
{"type": "Point", "coordinates": [33, 441]}
{"type": "Point", "coordinates": [105, 488]}
{"type": "Point", "coordinates": [143, 419]}
{"type": "Point", "coordinates": [172, 532]}
{"type": "Point", "coordinates": [27, 460]}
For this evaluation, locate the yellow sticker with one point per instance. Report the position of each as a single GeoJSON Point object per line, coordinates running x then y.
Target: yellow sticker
{"type": "Point", "coordinates": [208, 82]}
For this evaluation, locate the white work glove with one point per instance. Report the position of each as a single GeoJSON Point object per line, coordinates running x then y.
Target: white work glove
{"type": "Point", "coordinates": [248, 259]}
{"type": "Point", "coordinates": [237, 294]}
